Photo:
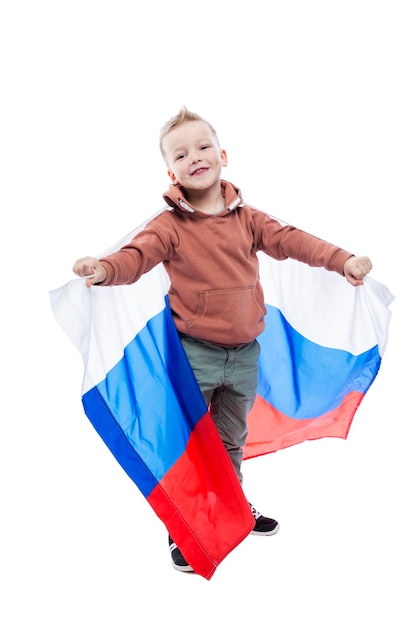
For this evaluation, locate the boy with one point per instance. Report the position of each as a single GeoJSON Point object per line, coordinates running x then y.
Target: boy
{"type": "Point", "coordinates": [207, 240]}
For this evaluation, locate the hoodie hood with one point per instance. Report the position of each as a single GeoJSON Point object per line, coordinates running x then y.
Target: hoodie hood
{"type": "Point", "coordinates": [175, 197]}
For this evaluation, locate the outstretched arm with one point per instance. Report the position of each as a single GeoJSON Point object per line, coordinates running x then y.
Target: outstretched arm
{"type": "Point", "coordinates": [356, 268]}
{"type": "Point", "coordinates": [89, 266]}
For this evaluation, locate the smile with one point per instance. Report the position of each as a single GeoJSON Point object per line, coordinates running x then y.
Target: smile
{"type": "Point", "coordinates": [201, 170]}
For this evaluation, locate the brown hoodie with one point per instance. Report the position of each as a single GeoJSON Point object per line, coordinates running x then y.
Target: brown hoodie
{"type": "Point", "coordinates": [211, 260]}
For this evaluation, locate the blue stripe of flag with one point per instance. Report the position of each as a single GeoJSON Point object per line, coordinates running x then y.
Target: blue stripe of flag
{"type": "Point", "coordinates": [148, 404]}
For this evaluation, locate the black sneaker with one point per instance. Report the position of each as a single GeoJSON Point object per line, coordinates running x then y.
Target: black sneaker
{"type": "Point", "coordinates": [263, 525]}
{"type": "Point", "coordinates": [178, 561]}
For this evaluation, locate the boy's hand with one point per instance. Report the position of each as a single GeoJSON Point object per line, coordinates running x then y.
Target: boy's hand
{"type": "Point", "coordinates": [356, 268]}
{"type": "Point", "coordinates": [89, 266]}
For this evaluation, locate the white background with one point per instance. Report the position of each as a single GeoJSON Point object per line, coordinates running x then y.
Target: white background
{"type": "Point", "coordinates": [315, 103]}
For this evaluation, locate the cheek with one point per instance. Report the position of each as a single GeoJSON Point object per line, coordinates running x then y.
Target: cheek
{"type": "Point", "coordinates": [180, 171]}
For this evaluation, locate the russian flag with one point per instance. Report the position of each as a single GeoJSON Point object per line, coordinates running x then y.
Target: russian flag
{"type": "Point", "coordinates": [321, 350]}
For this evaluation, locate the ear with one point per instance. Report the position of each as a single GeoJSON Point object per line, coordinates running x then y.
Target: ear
{"type": "Point", "coordinates": [223, 157]}
{"type": "Point", "coordinates": [172, 176]}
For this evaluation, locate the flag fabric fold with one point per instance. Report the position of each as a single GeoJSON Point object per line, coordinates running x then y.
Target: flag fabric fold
{"type": "Point", "coordinates": [320, 352]}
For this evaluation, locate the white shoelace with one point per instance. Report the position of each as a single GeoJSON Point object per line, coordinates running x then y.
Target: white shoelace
{"type": "Point", "coordinates": [255, 513]}
{"type": "Point", "coordinates": [173, 546]}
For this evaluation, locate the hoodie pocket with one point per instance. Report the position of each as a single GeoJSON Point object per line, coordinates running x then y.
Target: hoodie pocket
{"type": "Point", "coordinates": [229, 316]}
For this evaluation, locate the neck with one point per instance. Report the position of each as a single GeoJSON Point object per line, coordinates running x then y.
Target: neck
{"type": "Point", "coordinates": [210, 201]}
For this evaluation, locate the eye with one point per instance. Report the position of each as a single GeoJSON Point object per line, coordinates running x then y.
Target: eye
{"type": "Point", "coordinates": [179, 157]}
{"type": "Point", "coordinates": [204, 147]}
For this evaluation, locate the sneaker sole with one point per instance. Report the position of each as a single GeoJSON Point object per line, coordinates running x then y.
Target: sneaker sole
{"type": "Point", "coordinates": [266, 533]}
{"type": "Point", "coordinates": [182, 568]}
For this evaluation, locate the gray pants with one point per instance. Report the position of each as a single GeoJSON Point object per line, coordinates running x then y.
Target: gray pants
{"type": "Point", "coordinates": [228, 379]}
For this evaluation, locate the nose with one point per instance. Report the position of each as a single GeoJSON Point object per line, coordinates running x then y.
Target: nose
{"type": "Point", "coordinates": [195, 156]}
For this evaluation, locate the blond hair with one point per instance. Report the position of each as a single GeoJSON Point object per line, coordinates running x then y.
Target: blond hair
{"type": "Point", "coordinates": [184, 115]}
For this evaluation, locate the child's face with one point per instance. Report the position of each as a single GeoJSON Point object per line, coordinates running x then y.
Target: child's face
{"type": "Point", "coordinates": [193, 156]}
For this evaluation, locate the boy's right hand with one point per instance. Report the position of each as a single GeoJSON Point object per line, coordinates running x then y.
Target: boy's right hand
{"type": "Point", "coordinates": [89, 266]}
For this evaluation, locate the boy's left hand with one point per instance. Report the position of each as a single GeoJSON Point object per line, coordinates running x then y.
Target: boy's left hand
{"type": "Point", "coordinates": [356, 268]}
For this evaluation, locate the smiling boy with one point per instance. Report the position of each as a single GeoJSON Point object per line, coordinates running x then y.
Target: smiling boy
{"type": "Point", "coordinates": [208, 239]}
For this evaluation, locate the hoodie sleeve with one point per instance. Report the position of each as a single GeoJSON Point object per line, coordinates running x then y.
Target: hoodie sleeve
{"type": "Point", "coordinates": [148, 248]}
{"type": "Point", "coordinates": [282, 241]}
